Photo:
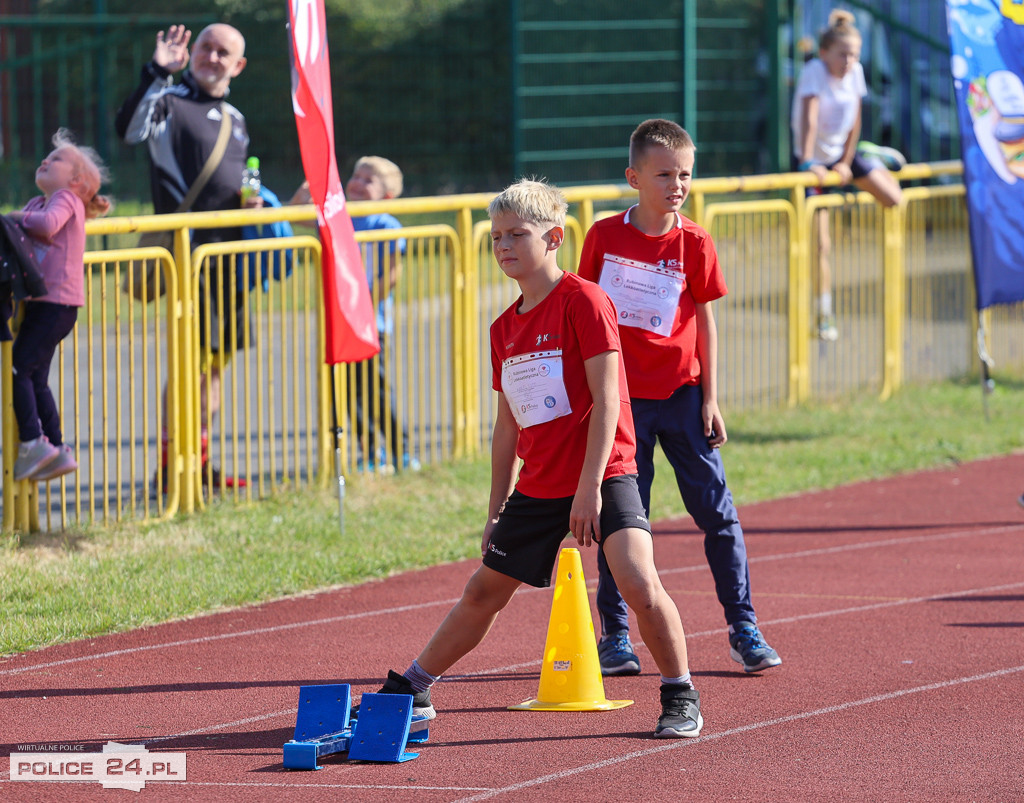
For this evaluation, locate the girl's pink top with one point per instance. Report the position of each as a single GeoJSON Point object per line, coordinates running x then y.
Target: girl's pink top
{"type": "Point", "coordinates": [57, 231]}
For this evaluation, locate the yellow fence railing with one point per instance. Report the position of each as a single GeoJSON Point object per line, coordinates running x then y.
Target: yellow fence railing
{"type": "Point", "coordinates": [166, 405]}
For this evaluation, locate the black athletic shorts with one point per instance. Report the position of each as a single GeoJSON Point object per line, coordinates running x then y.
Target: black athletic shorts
{"type": "Point", "coordinates": [529, 532]}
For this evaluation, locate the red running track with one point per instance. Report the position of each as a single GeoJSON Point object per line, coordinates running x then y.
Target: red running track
{"type": "Point", "coordinates": [897, 606]}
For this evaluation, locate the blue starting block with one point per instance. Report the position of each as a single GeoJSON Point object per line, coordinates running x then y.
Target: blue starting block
{"type": "Point", "coordinates": [324, 726]}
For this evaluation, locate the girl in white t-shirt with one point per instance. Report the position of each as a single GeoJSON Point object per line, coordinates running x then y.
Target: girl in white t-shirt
{"type": "Point", "coordinates": [826, 128]}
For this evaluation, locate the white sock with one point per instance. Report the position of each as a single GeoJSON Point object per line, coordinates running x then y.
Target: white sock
{"type": "Point", "coordinates": [682, 680]}
{"type": "Point", "coordinates": [825, 304]}
{"type": "Point", "coordinates": [419, 678]}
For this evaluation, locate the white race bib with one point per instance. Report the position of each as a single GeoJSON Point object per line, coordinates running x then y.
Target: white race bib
{"type": "Point", "coordinates": [533, 386]}
{"type": "Point", "coordinates": [646, 296]}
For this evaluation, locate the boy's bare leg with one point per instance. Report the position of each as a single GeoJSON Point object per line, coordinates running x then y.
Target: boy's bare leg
{"type": "Point", "coordinates": [465, 626]}
{"type": "Point", "coordinates": [630, 556]}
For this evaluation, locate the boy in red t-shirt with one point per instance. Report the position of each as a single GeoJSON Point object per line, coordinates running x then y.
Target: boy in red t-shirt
{"type": "Point", "coordinates": [662, 272]}
{"type": "Point", "coordinates": [563, 411]}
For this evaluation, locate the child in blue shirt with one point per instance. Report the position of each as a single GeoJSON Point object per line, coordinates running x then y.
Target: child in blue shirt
{"type": "Point", "coordinates": [375, 178]}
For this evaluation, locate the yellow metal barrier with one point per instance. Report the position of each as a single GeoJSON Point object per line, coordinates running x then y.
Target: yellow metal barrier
{"type": "Point", "coordinates": [261, 365]}
{"type": "Point", "coordinates": [901, 283]}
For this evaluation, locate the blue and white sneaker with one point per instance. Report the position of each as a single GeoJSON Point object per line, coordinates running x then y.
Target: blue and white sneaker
{"type": "Point", "coordinates": [616, 655]}
{"type": "Point", "coordinates": [749, 648]}
{"type": "Point", "coordinates": [889, 157]}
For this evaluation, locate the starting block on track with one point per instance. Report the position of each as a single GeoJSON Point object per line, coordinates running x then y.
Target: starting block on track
{"type": "Point", "coordinates": [324, 726]}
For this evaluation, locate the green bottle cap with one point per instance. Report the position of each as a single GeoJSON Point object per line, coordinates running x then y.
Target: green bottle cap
{"type": "Point", "coordinates": [253, 163]}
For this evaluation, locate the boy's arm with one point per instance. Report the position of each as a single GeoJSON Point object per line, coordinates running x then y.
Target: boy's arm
{"type": "Point", "coordinates": [394, 271]}
{"type": "Point", "coordinates": [707, 356]}
{"type": "Point", "coordinates": [504, 465]}
{"type": "Point", "coordinates": [603, 380]}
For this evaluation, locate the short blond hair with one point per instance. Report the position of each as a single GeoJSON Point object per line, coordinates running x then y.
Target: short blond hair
{"type": "Point", "coordinates": [387, 171]}
{"type": "Point", "coordinates": [90, 169]}
{"type": "Point", "coordinates": [533, 200]}
{"type": "Point", "coordinates": [658, 132]}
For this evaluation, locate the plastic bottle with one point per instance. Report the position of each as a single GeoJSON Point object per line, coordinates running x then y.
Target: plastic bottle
{"type": "Point", "coordinates": [251, 179]}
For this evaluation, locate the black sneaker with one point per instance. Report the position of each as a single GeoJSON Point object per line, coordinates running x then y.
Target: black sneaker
{"type": "Point", "coordinates": [399, 684]}
{"type": "Point", "coordinates": [680, 713]}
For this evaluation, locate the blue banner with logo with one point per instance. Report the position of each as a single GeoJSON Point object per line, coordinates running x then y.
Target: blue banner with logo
{"type": "Point", "coordinates": [987, 43]}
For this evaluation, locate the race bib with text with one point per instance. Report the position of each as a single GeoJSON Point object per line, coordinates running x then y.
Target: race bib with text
{"type": "Point", "coordinates": [645, 295]}
{"type": "Point", "coordinates": [533, 385]}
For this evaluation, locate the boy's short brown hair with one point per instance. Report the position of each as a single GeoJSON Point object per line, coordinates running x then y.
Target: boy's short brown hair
{"type": "Point", "coordinates": [532, 200]}
{"type": "Point", "coordinates": [658, 132]}
{"type": "Point", "coordinates": [390, 174]}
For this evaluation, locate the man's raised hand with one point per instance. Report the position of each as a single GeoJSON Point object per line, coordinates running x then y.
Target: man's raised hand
{"type": "Point", "coordinates": [171, 51]}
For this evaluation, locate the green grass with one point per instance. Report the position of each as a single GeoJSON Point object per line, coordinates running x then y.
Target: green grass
{"type": "Point", "coordinates": [56, 588]}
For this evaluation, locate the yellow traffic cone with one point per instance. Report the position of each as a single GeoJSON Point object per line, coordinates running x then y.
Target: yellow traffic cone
{"type": "Point", "coordinates": [570, 674]}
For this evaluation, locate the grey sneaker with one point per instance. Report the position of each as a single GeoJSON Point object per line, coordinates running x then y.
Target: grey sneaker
{"type": "Point", "coordinates": [32, 457]}
{"type": "Point", "coordinates": [680, 713]}
{"type": "Point", "coordinates": [748, 647]}
{"type": "Point", "coordinates": [63, 463]}
{"type": "Point", "coordinates": [616, 655]}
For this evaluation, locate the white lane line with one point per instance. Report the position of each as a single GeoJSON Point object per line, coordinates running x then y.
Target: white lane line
{"type": "Point", "coordinates": [289, 712]}
{"type": "Point", "coordinates": [258, 631]}
{"type": "Point", "coordinates": [420, 606]}
{"type": "Point", "coordinates": [487, 793]}
{"type": "Point", "coordinates": [770, 723]}
{"type": "Point", "coordinates": [832, 550]}
{"type": "Point", "coordinates": [365, 787]}
{"type": "Point", "coordinates": [781, 621]}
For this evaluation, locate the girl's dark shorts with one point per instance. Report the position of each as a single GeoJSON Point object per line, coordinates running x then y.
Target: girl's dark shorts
{"type": "Point", "coordinates": [859, 167]}
{"type": "Point", "coordinates": [529, 532]}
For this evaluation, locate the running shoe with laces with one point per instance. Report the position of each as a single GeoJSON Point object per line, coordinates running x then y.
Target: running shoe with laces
{"type": "Point", "coordinates": [749, 648]}
{"type": "Point", "coordinates": [680, 713]}
{"type": "Point", "coordinates": [889, 157]}
{"type": "Point", "coordinates": [399, 684]}
{"type": "Point", "coordinates": [616, 655]}
{"type": "Point", "coordinates": [32, 456]}
{"type": "Point", "coordinates": [63, 463]}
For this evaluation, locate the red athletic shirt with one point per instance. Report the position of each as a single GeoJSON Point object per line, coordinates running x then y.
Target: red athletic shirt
{"type": "Point", "coordinates": [574, 323]}
{"type": "Point", "coordinates": [658, 365]}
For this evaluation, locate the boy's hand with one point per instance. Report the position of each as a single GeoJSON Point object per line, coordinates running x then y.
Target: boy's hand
{"type": "Point", "coordinates": [714, 425]}
{"type": "Point", "coordinates": [302, 195]}
{"type": "Point", "coordinates": [488, 529]}
{"type": "Point", "coordinates": [171, 51]}
{"type": "Point", "coordinates": [585, 516]}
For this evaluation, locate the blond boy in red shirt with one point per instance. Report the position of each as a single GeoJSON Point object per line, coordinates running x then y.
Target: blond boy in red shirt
{"type": "Point", "coordinates": [564, 413]}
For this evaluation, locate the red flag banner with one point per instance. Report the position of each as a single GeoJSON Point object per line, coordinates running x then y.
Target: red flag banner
{"type": "Point", "coordinates": [348, 309]}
